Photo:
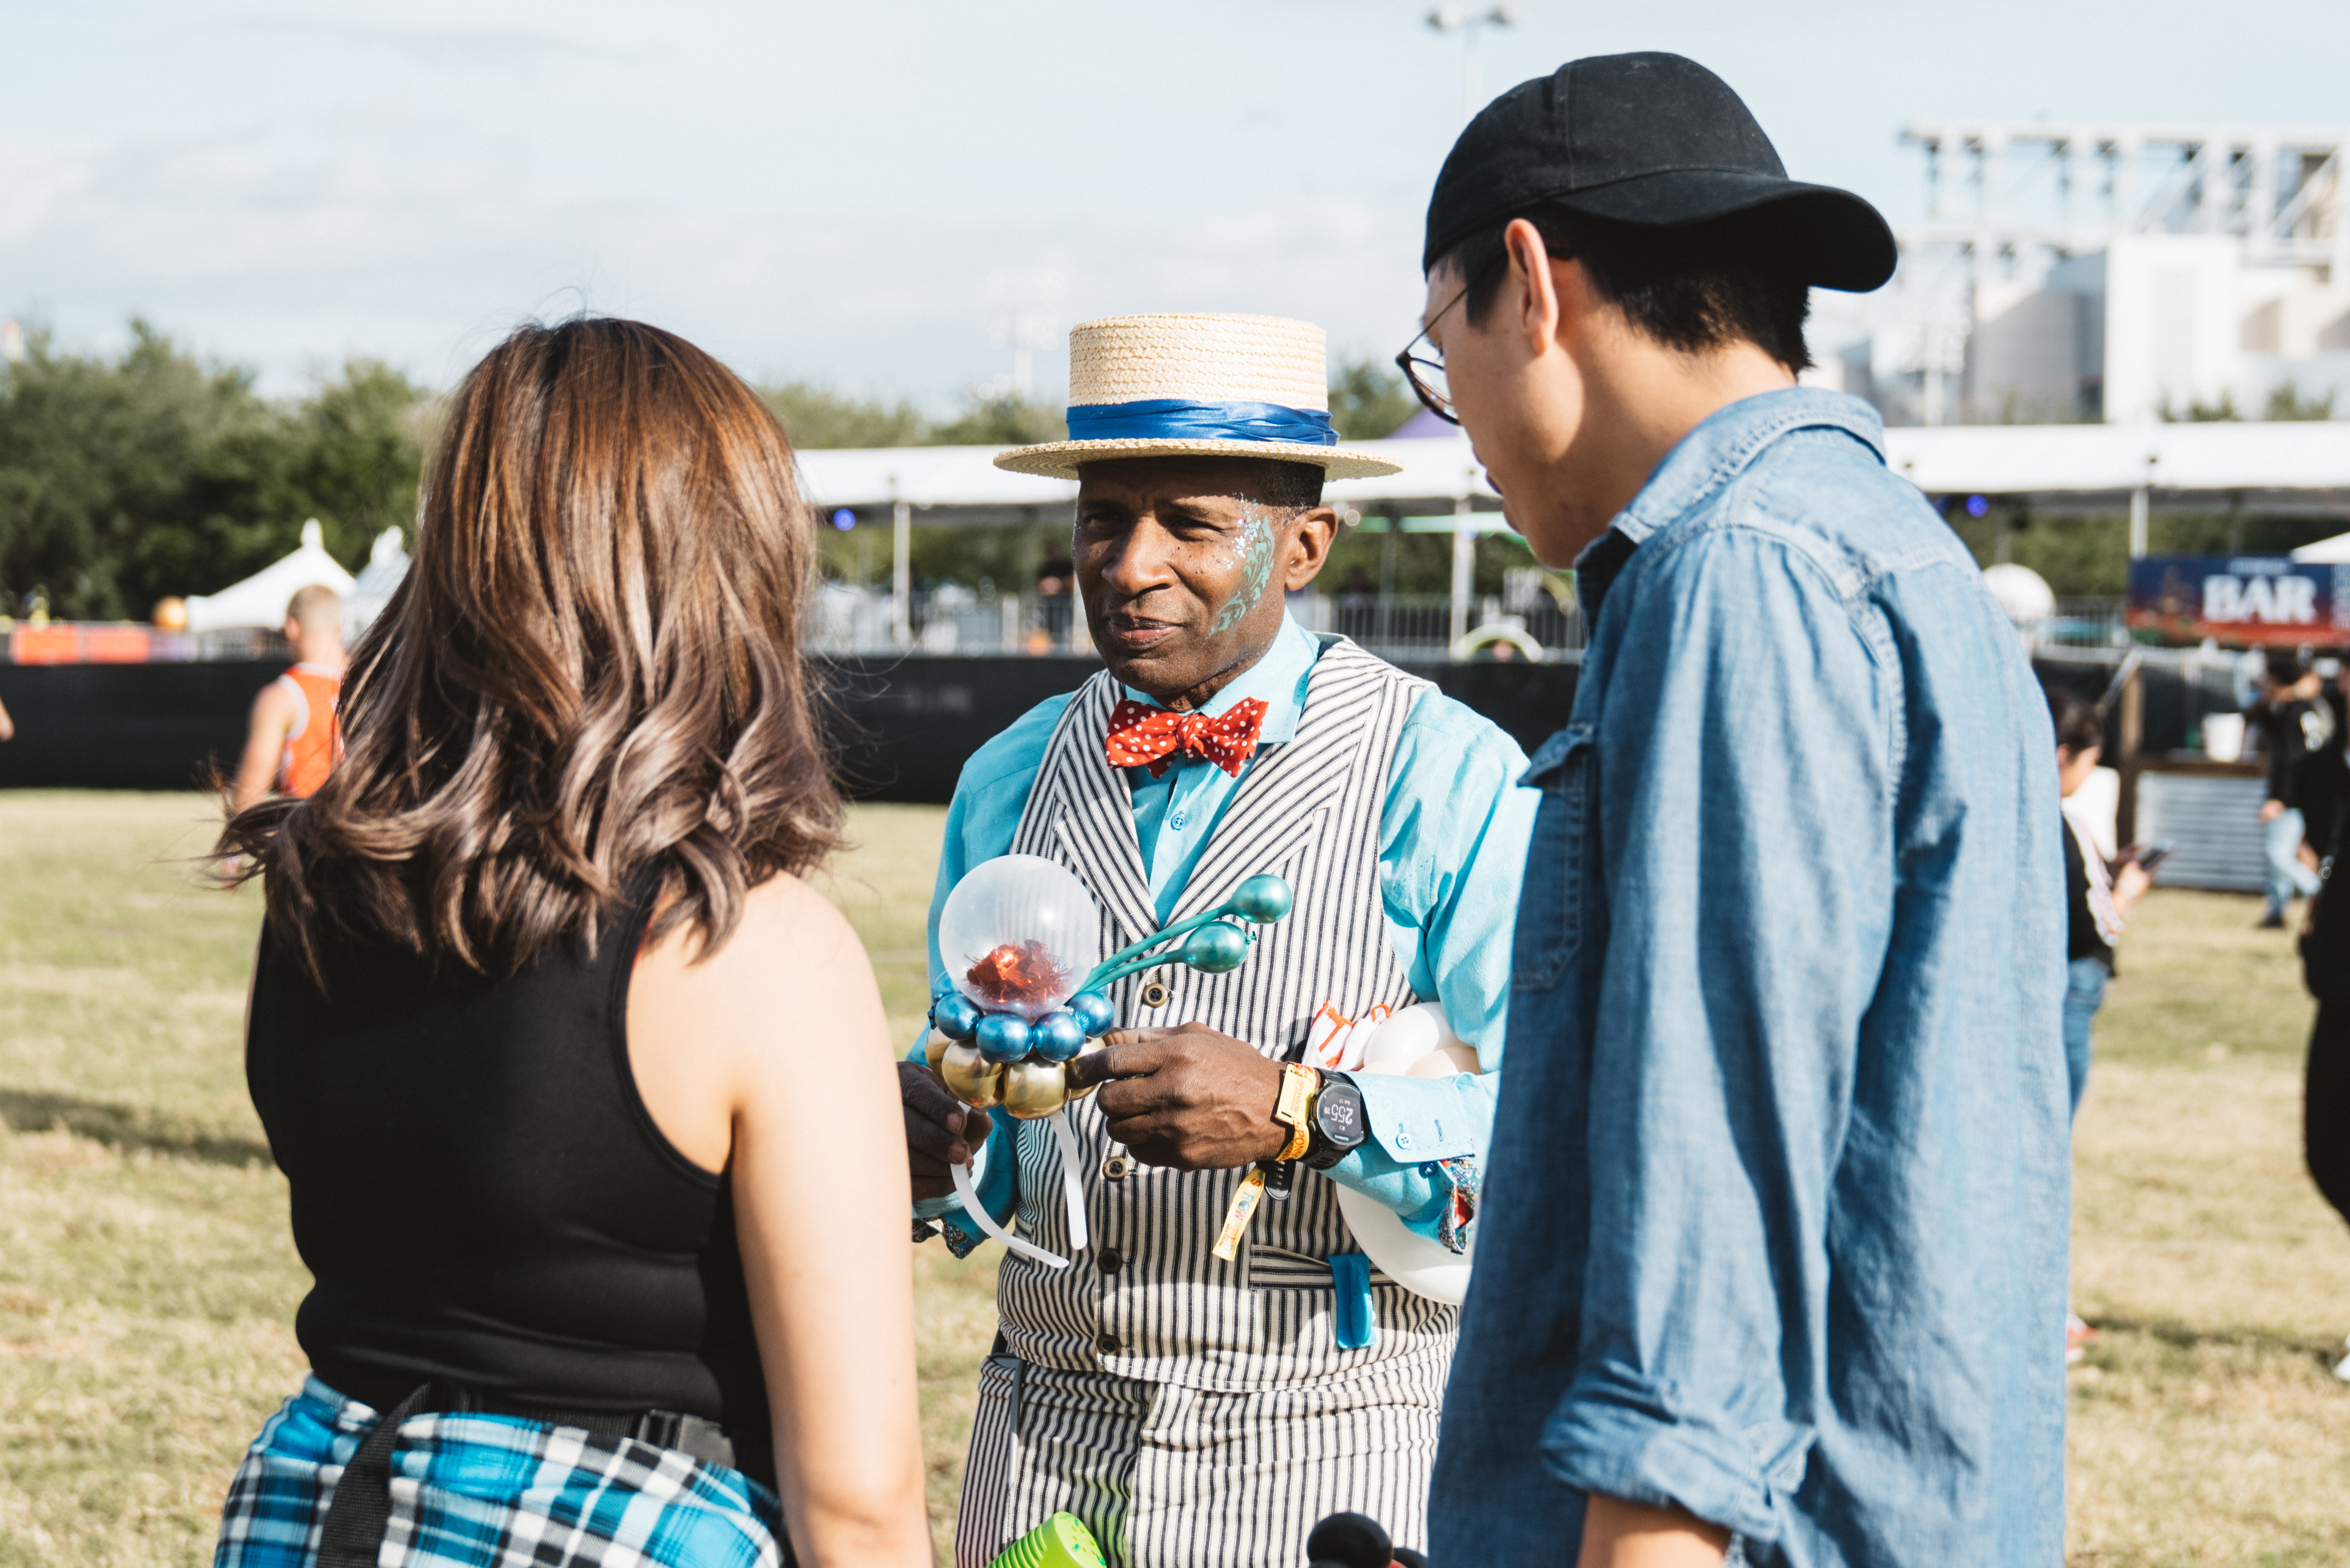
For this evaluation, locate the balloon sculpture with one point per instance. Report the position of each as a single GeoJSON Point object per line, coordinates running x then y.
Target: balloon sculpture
{"type": "Point", "coordinates": [1022, 1011]}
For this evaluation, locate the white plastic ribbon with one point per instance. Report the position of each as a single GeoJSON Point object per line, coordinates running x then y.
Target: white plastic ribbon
{"type": "Point", "coordinates": [977, 1213]}
{"type": "Point", "coordinates": [1073, 1188]}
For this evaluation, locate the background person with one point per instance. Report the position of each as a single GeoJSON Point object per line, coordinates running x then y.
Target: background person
{"type": "Point", "coordinates": [2326, 1089]}
{"type": "Point", "coordinates": [561, 1057]}
{"type": "Point", "coordinates": [1776, 1229]}
{"type": "Point", "coordinates": [2293, 722]}
{"type": "Point", "coordinates": [2097, 901]}
{"type": "Point", "coordinates": [294, 739]}
{"type": "Point", "coordinates": [2097, 897]}
{"type": "Point", "coordinates": [2321, 783]}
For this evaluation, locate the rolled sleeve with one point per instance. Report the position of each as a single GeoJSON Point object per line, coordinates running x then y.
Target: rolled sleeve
{"type": "Point", "coordinates": [1644, 1440]}
{"type": "Point", "coordinates": [1746, 780]}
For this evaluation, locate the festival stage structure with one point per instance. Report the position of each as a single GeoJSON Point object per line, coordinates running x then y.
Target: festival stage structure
{"type": "Point", "coordinates": [2072, 269]}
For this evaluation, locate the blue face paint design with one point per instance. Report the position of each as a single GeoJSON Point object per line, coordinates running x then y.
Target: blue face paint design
{"type": "Point", "coordinates": [1254, 550]}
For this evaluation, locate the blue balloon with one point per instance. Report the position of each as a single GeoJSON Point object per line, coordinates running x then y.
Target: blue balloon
{"type": "Point", "coordinates": [956, 1015]}
{"type": "Point", "coordinates": [1262, 898]}
{"type": "Point", "coordinates": [1095, 1011]}
{"type": "Point", "coordinates": [1004, 1037]}
{"type": "Point", "coordinates": [1216, 949]}
{"type": "Point", "coordinates": [1056, 1036]}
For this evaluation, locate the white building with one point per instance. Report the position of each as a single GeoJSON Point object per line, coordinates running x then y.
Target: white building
{"type": "Point", "coordinates": [2116, 273]}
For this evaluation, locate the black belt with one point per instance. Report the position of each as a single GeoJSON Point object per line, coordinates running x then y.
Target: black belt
{"type": "Point", "coordinates": [353, 1534]}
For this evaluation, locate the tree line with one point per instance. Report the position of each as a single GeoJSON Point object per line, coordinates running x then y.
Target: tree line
{"type": "Point", "coordinates": [152, 472]}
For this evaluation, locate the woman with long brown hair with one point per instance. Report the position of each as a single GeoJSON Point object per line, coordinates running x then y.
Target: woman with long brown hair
{"type": "Point", "coordinates": [574, 1081]}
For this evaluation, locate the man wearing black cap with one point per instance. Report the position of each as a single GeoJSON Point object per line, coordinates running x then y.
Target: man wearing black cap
{"type": "Point", "coordinates": [1774, 1253]}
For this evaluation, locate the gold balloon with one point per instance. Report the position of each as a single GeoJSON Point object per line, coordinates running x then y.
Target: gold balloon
{"type": "Point", "coordinates": [1090, 1047]}
{"type": "Point", "coordinates": [934, 1050]}
{"type": "Point", "coordinates": [1033, 1089]}
{"type": "Point", "coordinates": [972, 1077]}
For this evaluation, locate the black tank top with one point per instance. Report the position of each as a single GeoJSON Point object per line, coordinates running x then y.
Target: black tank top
{"type": "Point", "coordinates": [483, 1196]}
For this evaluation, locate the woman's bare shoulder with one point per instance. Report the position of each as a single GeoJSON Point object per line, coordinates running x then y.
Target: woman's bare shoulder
{"type": "Point", "coordinates": [788, 934]}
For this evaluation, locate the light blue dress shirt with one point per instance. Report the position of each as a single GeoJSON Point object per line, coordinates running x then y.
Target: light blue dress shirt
{"type": "Point", "coordinates": [1777, 1198]}
{"type": "Point", "coordinates": [1452, 844]}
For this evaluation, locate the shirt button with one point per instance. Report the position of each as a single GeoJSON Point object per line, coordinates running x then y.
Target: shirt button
{"type": "Point", "coordinates": [1402, 1140]}
{"type": "Point", "coordinates": [1115, 1167]}
{"type": "Point", "coordinates": [1108, 1343]}
{"type": "Point", "coordinates": [1109, 1260]}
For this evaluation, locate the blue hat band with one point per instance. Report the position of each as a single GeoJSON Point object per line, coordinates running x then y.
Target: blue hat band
{"type": "Point", "coordinates": [1180, 419]}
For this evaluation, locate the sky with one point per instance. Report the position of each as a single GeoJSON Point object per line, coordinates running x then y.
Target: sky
{"type": "Point", "coordinates": [822, 193]}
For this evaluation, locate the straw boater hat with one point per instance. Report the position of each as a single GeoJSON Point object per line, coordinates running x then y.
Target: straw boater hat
{"type": "Point", "coordinates": [1236, 385]}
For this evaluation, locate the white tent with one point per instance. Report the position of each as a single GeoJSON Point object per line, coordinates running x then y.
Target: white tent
{"type": "Point", "coordinates": [260, 600]}
{"type": "Point", "coordinates": [2326, 552]}
{"type": "Point", "coordinates": [387, 565]}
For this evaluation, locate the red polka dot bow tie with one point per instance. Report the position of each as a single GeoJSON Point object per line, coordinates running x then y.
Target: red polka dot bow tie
{"type": "Point", "coordinates": [1143, 736]}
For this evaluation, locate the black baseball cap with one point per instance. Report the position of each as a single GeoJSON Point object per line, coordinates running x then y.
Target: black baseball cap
{"type": "Point", "coordinates": [1657, 140]}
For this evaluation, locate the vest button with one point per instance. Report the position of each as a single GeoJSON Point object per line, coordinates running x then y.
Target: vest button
{"type": "Point", "coordinates": [1108, 1262]}
{"type": "Point", "coordinates": [1108, 1343]}
{"type": "Point", "coordinates": [1115, 1167]}
{"type": "Point", "coordinates": [1155, 993]}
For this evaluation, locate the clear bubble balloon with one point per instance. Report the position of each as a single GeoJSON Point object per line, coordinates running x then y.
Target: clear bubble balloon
{"type": "Point", "coordinates": [1018, 934]}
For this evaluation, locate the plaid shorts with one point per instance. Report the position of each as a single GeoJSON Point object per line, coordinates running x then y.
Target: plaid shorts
{"type": "Point", "coordinates": [493, 1491]}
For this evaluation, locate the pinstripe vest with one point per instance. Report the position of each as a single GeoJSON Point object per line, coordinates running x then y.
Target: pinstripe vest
{"type": "Point", "coordinates": [1308, 810]}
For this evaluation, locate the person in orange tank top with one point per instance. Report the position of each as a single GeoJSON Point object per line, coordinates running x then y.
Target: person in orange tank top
{"type": "Point", "coordinates": [294, 739]}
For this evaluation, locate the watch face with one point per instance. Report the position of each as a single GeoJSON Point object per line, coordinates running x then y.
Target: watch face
{"type": "Point", "coordinates": [1338, 1114]}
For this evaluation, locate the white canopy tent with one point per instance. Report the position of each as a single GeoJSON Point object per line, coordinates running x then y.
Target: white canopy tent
{"type": "Point", "coordinates": [2300, 465]}
{"type": "Point", "coordinates": [260, 600]}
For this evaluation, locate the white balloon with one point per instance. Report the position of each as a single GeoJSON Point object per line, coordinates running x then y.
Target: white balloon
{"type": "Point", "coordinates": [1420, 1265]}
{"type": "Point", "coordinates": [1033, 906]}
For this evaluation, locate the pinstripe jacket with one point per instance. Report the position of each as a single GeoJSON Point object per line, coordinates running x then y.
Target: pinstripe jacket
{"type": "Point", "coordinates": [1311, 810]}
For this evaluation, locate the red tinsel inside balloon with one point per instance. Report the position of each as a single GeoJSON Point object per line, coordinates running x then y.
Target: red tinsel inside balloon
{"type": "Point", "coordinates": [1018, 972]}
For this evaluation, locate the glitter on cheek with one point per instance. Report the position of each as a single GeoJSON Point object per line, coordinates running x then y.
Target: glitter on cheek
{"type": "Point", "coordinates": [1251, 554]}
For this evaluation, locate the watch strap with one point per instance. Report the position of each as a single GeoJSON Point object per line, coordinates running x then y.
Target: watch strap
{"type": "Point", "coordinates": [1295, 1108]}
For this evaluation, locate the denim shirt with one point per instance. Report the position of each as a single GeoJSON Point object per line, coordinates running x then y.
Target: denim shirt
{"type": "Point", "coordinates": [1778, 1192]}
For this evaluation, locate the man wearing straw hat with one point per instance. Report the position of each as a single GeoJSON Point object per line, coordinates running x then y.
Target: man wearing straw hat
{"type": "Point", "coordinates": [1197, 1394]}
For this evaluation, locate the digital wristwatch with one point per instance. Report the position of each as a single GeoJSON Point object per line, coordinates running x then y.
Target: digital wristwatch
{"type": "Point", "coordinates": [1336, 1122]}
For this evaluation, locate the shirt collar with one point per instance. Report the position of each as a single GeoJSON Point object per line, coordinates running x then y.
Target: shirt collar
{"type": "Point", "coordinates": [1277, 678]}
{"type": "Point", "coordinates": [1707, 461]}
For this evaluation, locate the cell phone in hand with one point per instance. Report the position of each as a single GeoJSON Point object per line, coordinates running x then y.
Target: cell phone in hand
{"type": "Point", "coordinates": [2147, 857]}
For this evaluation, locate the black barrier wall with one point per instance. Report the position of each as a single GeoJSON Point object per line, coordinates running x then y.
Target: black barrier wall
{"type": "Point", "coordinates": [900, 732]}
{"type": "Point", "coordinates": [902, 727]}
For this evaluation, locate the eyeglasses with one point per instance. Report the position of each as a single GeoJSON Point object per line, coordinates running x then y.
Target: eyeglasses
{"type": "Point", "coordinates": [1426, 376]}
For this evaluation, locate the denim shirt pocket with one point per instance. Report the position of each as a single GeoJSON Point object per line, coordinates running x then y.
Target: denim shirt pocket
{"type": "Point", "coordinates": [1550, 901]}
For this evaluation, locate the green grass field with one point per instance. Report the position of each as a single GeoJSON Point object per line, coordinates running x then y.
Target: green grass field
{"type": "Point", "coordinates": [148, 1285]}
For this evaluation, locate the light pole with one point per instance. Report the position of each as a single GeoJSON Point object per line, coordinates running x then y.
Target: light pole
{"type": "Point", "coordinates": [1452, 19]}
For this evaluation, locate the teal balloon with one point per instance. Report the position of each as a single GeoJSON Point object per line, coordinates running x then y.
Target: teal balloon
{"type": "Point", "coordinates": [1095, 1011]}
{"type": "Point", "coordinates": [1216, 949]}
{"type": "Point", "coordinates": [1004, 1037]}
{"type": "Point", "coordinates": [1263, 899]}
{"type": "Point", "coordinates": [1056, 1036]}
{"type": "Point", "coordinates": [956, 1015]}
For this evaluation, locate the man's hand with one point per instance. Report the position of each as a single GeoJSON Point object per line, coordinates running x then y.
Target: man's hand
{"type": "Point", "coordinates": [1187, 1099]}
{"type": "Point", "coordinates": [2270, 809]}
{"type": "Point", "coordinates": [941, 1132]}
